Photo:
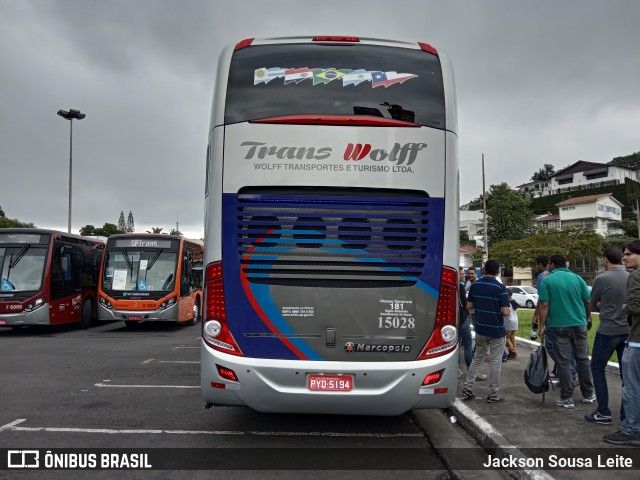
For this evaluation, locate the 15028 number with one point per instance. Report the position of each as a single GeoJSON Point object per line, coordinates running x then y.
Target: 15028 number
{"type": "Point", "coordinates": [396, 322]}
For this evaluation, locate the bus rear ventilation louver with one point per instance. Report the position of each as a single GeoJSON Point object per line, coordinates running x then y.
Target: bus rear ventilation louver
{"type": "Point", "coordinates": [338, 240]}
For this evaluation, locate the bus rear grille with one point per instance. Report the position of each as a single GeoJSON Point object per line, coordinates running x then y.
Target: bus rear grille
{"type": "Point", "coordinates": [364, 240]}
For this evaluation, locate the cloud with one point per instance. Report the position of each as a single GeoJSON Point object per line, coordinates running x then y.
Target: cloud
{"type": "Point", "coordinates": [539, 82]}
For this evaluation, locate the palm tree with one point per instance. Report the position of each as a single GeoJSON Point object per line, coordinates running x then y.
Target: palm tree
{"type": "Point", "coordinates": [155, 230]}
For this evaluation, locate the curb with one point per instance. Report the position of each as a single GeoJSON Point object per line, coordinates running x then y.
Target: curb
{"type": "Point", "coordinates": [490, 439]}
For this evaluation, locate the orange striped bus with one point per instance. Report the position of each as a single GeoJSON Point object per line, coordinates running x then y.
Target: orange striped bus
{"type": "Point", "coordinates": [151, 277]}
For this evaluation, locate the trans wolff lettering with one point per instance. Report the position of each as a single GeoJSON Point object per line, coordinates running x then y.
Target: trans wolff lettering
{"type": "Point", "coordinates": [400, 154]}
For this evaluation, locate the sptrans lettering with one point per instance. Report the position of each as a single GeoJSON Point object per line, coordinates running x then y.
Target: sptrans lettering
{"type": "Point", "coordinates": [400, 154]}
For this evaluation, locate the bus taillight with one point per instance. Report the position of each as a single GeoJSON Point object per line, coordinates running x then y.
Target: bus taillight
{"type": "Point", "coordinates": [444, 337]}
{"type": "Point", "coordinates": [244, 43]}
{"type": "Point", "coordinates": [428, 48]}
{"type": "Point", "coordinates": [215, 330]}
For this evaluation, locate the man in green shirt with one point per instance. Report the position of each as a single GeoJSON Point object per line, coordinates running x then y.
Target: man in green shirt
{"type": "Point", "coordinates": [565, 312]}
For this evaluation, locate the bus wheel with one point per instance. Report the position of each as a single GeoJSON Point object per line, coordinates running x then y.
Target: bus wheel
{"type": "Point", "coordinates": [87, 311]}
{"type": "Point", "coordinates": [196, 313]}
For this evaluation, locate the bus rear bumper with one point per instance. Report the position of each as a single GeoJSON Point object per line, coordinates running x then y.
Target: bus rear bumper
{"type": "Point", "coordinates": [169, 314]}
{"type": "Point", "coordinates": [280, 386]}
{"type": "Point", "coordinates": [40, 316]}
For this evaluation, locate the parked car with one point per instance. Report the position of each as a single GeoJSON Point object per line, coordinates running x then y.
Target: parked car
{"type": "Point", "coordinates": [525, 296]}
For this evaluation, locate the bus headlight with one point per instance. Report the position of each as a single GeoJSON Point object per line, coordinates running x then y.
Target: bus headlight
{"type": "Point", "coordinates": [35, 304]}
{"type": "Point", "coordinates": [167, 304]}
{"type": "Point", "coordinates": [448, 333]}
{"type": "Point", "coordinates": [212, 329]}
{"type": "Point", "coordinates": [105, 303]}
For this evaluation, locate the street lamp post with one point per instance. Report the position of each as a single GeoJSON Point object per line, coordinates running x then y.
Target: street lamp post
{"type": "Point", "coordinates": [70, 115]}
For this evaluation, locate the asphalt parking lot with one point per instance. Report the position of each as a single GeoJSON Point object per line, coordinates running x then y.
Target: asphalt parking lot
{"type": "Point", "coordinates": [113, 387]}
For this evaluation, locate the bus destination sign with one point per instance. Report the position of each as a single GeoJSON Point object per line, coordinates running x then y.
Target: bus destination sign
{"type": "Point", "coordinates": [142, 243]}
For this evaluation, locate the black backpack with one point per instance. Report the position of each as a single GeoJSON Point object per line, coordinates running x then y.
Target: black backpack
{"type": "Point", "coordinates": [536, 375]}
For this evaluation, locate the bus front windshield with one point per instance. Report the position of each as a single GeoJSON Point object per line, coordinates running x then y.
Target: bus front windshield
{"type": "Point", "coordinates": [128, 269]}
{"type": "Point", "coordinates": [22, 267]}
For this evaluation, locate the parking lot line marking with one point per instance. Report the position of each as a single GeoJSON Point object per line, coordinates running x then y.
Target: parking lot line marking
{"type": "Point", "coordinates": [12, 426]}
{"type": "Point", "coordinates": [178, 348]}
{"type": "Point", "coordinates": [146, 386]}
{"type": "Point", "coordinates": [178, 361]}
{"type": "Point", "coordinates": [148, 361]}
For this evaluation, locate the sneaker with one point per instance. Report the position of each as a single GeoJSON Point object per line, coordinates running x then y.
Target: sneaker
{"type": "Point", "coordinates": [566, 403]}
{"type": "Point", "coordinates": [513, 355]}
{"type": "Point", "coordinates": [590, 399]}
{"type": "Point", "coordinates": [495, 398]}
{"type": "Point", "coordinates": [467, 394]}
{"type": "Point", "coordinates": [481, 376]}
{"type": "Point", "coordinates": [597, 417]}
{"type": "Point", "coordinates": [621, 438]}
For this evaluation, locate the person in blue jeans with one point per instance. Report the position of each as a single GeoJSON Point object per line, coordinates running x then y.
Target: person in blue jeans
{"type": "Point", "coordinates": [629, 431]}
{"type": "Point", "coordinates": [464, 322]}
{"type": "Point", "coordinates": [608, 294]}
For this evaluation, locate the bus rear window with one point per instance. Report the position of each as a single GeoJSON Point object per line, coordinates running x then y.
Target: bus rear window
{"type": "Point", "coordinates": [267, 81]}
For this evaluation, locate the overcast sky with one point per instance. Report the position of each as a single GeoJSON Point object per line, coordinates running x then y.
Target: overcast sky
{"type": "Point", "coordinates": [549, 81]}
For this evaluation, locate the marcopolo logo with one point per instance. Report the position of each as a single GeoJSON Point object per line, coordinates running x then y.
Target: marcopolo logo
{"type": "Point", "coordinates": [400, 154]}
{"type": "Point", "coordinates": [351, 347]}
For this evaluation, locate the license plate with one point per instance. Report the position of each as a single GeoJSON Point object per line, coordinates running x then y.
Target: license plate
{"type": "Point", "coordinates": [330, 383]}
{"type": "Point", "coordinates": [134, 317]}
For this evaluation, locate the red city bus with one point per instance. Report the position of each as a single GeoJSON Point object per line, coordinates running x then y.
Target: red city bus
{"type": "Point", "coordinates": [151, 277]}
{"type": "Point", "coordinates": [48, 277]}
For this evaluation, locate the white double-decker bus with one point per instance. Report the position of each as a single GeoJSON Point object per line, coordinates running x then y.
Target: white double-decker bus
{"type": "Point", "coordinates": [331, 226]}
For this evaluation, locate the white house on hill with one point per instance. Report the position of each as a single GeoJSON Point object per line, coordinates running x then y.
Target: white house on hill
{"type": "Point", "coordinates": [577, 176]}
{"type": "Point", "coordinates": [595, 212]}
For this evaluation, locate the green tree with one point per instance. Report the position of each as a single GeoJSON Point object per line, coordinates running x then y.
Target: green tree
{"type": "Point", "coordinates": [581, 248]}
{"type": "Point", "coordinates": [476, 203]}
{"type": "Point", "coordinates": [464, 238]}
{"type": "Point", "coordinates": [544, 174]}
{"type": "Point", "coordinates": [508, 214]}
{"type": "Point", "coordinates": [121, 225]}
{"type": "Point", "coordinates": [14, 223]}
{"type": "Point", "coordinates": [107, 230]}
{"type": "Point", "coordinates": [88, 230]}
{"type": "Point", "coordinates": [130, 228]}
{"type": "Point", "coordinates": [630, 161]}
{"type": "Point", "coordinates": [175, 232]}
{"type": "Point", "coordinates": [155, 230]}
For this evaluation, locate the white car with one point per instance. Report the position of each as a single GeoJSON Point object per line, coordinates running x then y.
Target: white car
{"type": "Point", "coordinates": [525, 296]}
